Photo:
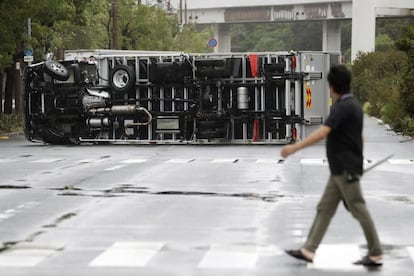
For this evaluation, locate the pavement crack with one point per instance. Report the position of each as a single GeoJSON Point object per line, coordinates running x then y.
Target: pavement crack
{"type": "Point", "coordinates": [60, 220]}
{"type": "Point", "coordinates": [14, 186]}
{"type": "Point", "coordinates": [271, 196]}
{"type": "Point", "coordinates": [130, 189]}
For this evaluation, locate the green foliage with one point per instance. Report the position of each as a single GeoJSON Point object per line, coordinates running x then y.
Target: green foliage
{"type": "Point", "coordinates": [10, 29]}
{"type": "Point", "coordinates": [87, 24]}
{"type": "Point", "coordinates": [276, 36]}
{"type": "Point", "coordinates": [10, 123]}
{"type": "Point", "coordinates": [190, 40]}
{"type": "Point", "coordinates": [383, 43]}
{"type": "Point", "coordinates": [406, 44]}
{"type": "Point", "coordinates": [407, 125]}
{"type": "Point", "coordinates": [377, 79]}
{"type": "Point", "coordinates": [393, 27]}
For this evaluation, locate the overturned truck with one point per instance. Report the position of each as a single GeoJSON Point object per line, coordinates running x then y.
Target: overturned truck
{"type": "Point", "coordinates": [170, 97]}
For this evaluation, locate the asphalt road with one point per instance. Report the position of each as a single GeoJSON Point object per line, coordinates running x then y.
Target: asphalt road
{"type": "Point", "coordinates": [193, 210]}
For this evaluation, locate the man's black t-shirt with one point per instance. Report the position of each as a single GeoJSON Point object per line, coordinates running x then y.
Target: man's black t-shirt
{"type": "Point", "coordinates": [344, 142]}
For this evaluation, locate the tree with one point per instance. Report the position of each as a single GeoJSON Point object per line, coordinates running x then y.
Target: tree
{"type": "Point", "coordinates": [87, 24]}
{"type": "Point", "coordinates": [12, 27]}
{"type": "Point", "coordinates": [190, 40]}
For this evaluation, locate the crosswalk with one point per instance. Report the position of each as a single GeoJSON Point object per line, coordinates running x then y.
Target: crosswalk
{"type": "Point", "coordinates": [127, 254]}
{"type": "Point", "coordinates": [142, 254]}
{"type": "Point", "coordinates": [302, 161]}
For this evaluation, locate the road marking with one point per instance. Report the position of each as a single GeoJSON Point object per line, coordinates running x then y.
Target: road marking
{"type": "Point", "coordinates": [134, 161]}
{"type": "Point", "coordinates": [28, 205]}
{"type": "Point", "coordinates": [27, 255]}
{"type": "Point", "coordinates": [230, 257]}
{"type": "Point", "coordinates": [128, 254]}
{"type": "Point", "coordinates": [296, 233]}
{"type": "Point", "coordinates": [4, 216]}
{"type": "Point", "coordinates": [6, 160]}
{"type": "Point", "coordinates": [179, 161]}
{"type": "Point", "coordinates": [410, 250]}
{"type": "Point", "coordinates": [401, 161]}
{"type": "Point", "coordinates": [219, 161]}
{"type": "Point", "coordinates": [114, 168]}
{"type": "Point", "coordinates": [336, 257]}
{"type": "Point", "coordinates": [9, 213]}
{"type": "Point", "coordinates": [46, 161]}
{"type": "Point", "coordinates": [90, 161]}
{"type": "Point", "coordinates": [312, 161]}
{"type": "Point", "coordinates": [267, 161]}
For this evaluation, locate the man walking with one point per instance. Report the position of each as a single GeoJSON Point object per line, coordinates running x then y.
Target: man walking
{"type": "Point", "coordinates": [343, 130]}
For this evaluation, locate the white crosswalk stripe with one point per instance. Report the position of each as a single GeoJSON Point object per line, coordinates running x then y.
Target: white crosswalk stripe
{"type": "Point", "coordinates": [114, 168]}
{"type": "Point", "coordinates": [401, 162]}
{"type": "Point", "coordinates": [336, 257]}
{"type": "Point", "coordinates": [50, 160]}
{"type": "Point", "coordinates": [86, 161]}
{"type": "Point", "coordinates": [410, 250]}
{"type": "Point", "coordinates": [127, 254]}
{"type": "Point", "coordinates": [134, 161]}
{"type": "Point", "coordinates": [28, 254]}
{"type": "Point", "coordinates": [180, 161]}
{"type": "Point", "coordinates": [220, 161]}
{"type": "Point", "coordinates": [266, 161]}
{"type": "Point", "coordinates": [7, 160]}
{"type": "Point", "coordinates": [230, 257]}
{"type": "Point", "coordinates": [312, 161]}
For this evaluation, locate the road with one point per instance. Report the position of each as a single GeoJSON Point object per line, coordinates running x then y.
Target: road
{"type": "Point", "coordinates": [193, 210]}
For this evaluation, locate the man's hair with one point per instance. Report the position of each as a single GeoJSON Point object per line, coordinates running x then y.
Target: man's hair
{"type": "Point", "coordinates": [339, 77]}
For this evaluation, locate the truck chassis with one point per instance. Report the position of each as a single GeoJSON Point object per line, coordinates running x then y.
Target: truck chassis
{"type": "Point", "coordinates": [168, 97]}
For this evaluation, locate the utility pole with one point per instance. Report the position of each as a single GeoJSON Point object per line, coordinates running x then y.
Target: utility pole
{"type": "Point", "coordinates": [181, 12]}
{"type": "Point", "coordinates": [115, 24]}
{"type": "Point", "coordinates": [185, 12]}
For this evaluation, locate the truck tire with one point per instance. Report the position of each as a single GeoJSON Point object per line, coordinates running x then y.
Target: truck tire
{"type": "Point", "coordinates": [122, 78]}
{"type": "Point", "coordinates": [56, 70]}
{"type": "Point", "coordinates": [53, 137]}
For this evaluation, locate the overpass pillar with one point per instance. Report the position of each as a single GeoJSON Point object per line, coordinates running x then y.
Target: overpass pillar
{"type": "Point", "coordinates": [223, 35]}
{"type": "Point", "coordinates": [363, 27]}
{"type": "Point", "coordinates": [331, 35]}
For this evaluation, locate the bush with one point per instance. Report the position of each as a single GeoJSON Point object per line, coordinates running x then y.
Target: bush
{"type": "Point", "coordinates": [407, 125]}
{"type": "Point", "coordinates": [379, 81]}
{"type": "Point", "coordinates": [406, 44]}
{"type": "Point", "coordinates": [11, 123]}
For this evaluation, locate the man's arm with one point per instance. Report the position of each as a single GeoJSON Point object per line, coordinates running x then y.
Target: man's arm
{"type": "Point", "coordinates": [316, 136]}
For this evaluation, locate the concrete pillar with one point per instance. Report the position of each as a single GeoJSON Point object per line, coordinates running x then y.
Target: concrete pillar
{"type": "Point", "coordinates": [331, 36]}
{"type": "Point", "coordinates": [223, 36]}
{"type": "Point", "coordinates": [363, 27]}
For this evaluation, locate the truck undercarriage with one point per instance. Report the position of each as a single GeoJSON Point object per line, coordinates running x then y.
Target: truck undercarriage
{"type": "Point", "coordinates": [168, 97]}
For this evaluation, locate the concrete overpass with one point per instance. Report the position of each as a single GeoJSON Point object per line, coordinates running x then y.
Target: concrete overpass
{"type": "Point", "coordinates": [362, 12]}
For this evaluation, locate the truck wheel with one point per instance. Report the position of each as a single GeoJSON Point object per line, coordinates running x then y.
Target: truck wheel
{"type": "Point", "coordinates": [56, 70]}
{"type": "Point", "coordinates": [122, 78]}
{"type": "Point", "coordinates": [53, 137]}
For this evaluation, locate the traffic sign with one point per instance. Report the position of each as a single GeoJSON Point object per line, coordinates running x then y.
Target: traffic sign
{"type": "Point", "coordinates": [28, 52]}
{"type": "Point", "coordinates": [28, 58]}
{"type": "Point", "coordinates": [212, 43]}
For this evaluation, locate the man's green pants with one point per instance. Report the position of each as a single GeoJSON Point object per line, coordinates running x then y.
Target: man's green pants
{"type": "Point", "coordinates": [339, 189]}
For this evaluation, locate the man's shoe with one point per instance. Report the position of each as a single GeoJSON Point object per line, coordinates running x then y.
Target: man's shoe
{"type": "Point", "coordinates": [298, 255]}
{"type": "Point", "coordinates": [367, 261]}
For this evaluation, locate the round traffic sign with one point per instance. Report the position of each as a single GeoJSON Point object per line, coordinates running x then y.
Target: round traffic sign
{"type": "Point", "coordinates": [212, 43]}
